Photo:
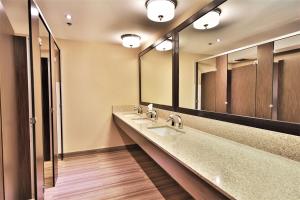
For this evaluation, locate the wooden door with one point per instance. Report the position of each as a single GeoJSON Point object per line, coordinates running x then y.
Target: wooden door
{"type": "Point", "coordinates": [243, 90]}
{"type": "Point", "coordinates": [15, 136]}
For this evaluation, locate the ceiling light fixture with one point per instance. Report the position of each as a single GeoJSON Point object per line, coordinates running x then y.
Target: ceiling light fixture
{"type": "Point", "coordinates": [131, 40]}
{"type": "Point", "coordinates": [161, 10]}
{"type": "Point", "coordinates": [165, 45]}
{"type": "Point", "coordinates": [209, 20]}
{"type": "Point", "coordinates": [68, 17]}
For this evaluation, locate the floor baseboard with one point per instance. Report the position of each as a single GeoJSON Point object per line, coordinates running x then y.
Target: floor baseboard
{"type": "Point", "coordinates": [101, 150]}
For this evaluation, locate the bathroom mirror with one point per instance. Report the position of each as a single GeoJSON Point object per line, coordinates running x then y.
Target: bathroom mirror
{"type": "Point", "coordinates": [156, 74]}
{"type": "Point", "coordinates": [286, 82]}
{"type": "Point", "coordinates": [46, 77]}
{"type": "Point", "coordinates": [226, 66]}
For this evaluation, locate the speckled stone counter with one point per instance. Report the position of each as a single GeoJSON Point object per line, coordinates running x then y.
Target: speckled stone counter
{"type": "Point", "coordinates": [240, 171]}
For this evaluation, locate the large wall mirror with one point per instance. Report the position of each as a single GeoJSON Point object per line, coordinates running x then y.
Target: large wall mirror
{"type": "Point", "coordinates": [156, 74]}
{"type": "Point", "coordinates": [237, 67]}
{"type": "Point", "coordinates": [232, 65]}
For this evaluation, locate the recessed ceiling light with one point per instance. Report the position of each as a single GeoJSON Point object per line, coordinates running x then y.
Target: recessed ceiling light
{"type": "Point", "coordinates": [131, 40]}
{"type": "Point", "coordinates": [68, 17]}
{"type": "Point", "coordinates": [164, 46]}
{"type": "Point", "coordinates": [218, 40]}
{"type": "Point", "coordinates": [161, 10]}
{"type": "Point", "coordinates": [209, 20]}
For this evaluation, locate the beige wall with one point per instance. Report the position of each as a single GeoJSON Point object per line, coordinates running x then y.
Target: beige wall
{"type": "Point", "coordinates": [156, 75]}
{"type": "Point", "coordinates": [95, 76]}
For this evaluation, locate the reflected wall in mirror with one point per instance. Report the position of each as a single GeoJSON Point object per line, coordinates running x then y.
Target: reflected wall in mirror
{"type": "Point", "coordinates": [44, 38]}
{"type": "Point", "coordinates": [156, 74]}
{"type": "Point", "coordinates": [242, 66]}
{"type": "Point", "coordinates": [287, 79]}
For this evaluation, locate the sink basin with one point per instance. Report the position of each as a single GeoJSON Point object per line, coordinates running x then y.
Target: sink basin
{"type": "Point", "coordinates": [132, 115]}
{"type": "Point", "coordinates": [142, 121]}
{"type": "Point", "coordinates": [165, 130]}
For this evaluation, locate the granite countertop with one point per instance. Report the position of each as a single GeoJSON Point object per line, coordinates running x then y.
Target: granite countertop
{"type": "Point", "coordinates": [238, 171]}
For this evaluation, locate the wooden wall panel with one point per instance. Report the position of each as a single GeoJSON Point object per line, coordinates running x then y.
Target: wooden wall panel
{"type": "Point", "coordinates": [208, 91]}
{"type": "Point", "coordinates": [264, 80]}
{"type": "Point", "coordinates": [289, 89]}
{"type": "Point", "coordinates": [221, 84]}
{"type": "Point", "coordinates": [243, 81]}
{"type": "Point", "coordinates": [1, 158]}
{"type": "Point", "coordinates": [14, 113]}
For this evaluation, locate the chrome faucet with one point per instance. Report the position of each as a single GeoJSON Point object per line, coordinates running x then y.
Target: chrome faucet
{"type": "Point", "coordinates": [173, 120]}
{"type": "Point", "coordinates": [152, 114]}
{"type": "Point", "coordinates": [139, 109]}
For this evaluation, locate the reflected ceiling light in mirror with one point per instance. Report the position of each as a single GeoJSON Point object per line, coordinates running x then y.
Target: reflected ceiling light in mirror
{"type": "Point", "coordinates": [131, 40]}
{"type": "Point", "coordinates": [68, 19]}
{"type": "Point", "coordinates": [209, 20]}
{"type": "Point", "coordinates": [34, 11]}
{"type": "Point", "coordinates": [161, 10]}
{"type": "Point", "coordinates": [165, 45]}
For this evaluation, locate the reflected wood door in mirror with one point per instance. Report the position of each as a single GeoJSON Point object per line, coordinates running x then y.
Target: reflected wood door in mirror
{"type": "Point", "coordinates": [264, 81]}
{"type": "Point", "coordinates": [208, 91]}
{"type": "Point", "coordinates": [221, 84]}
{"type": "Point", "coordinates": [289, 88]}
{"type": "Point", "coordinates": [243, 90]}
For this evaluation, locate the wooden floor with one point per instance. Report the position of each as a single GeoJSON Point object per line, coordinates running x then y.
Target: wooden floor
{"type": "Point", "coordinates": [48, 174]}
{"type": "Point", "coordinates": [124, 174]}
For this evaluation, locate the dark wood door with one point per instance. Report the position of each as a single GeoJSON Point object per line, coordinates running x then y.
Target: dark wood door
{"type": "Point", "coordinates": [288, 88]}
{"type": "Point", "coordinates": [243, 90]}
{"type": "Point", "coordinates": [208, 91]}
{"type": "Point", "coordinates": [15, 171]}
{"type": "Point", "coordinates": [46, 110]}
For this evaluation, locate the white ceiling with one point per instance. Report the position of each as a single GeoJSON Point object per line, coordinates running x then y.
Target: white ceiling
{"type": "Point", "coordinates": [244, 22]}
{"type": "Point", "coordinates": [103, 20]}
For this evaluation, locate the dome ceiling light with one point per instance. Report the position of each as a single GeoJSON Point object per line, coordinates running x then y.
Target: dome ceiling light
{"type": "Point", "coordinates": [165, 45]}
{"type": "Point", "coordinates": [209, 20]}
{"type": "Point", "coordinates": [161, 10]}
{"type": "Point", "coordinates": [131, 40]}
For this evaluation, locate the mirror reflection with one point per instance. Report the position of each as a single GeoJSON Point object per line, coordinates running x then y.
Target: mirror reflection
{"type": "Point", "coordinates": [156, 74]}
{"type": "Point", "coordinates": [44, 38]}
{"type": "Point", "coordinates": [227, 66]}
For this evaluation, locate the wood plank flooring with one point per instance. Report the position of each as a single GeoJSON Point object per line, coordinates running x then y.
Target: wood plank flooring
{"type": "Point", "coordinates": [124, 174]}
{"type": "Point", "coordinates": [48, 174]}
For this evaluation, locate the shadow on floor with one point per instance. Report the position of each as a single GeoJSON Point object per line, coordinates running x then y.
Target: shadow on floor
{"type": "Point", "coordinates": [167, 186]}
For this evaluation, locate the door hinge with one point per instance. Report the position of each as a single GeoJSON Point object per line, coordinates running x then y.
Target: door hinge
{"type": "Point", "coordinates": [32, 120]}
